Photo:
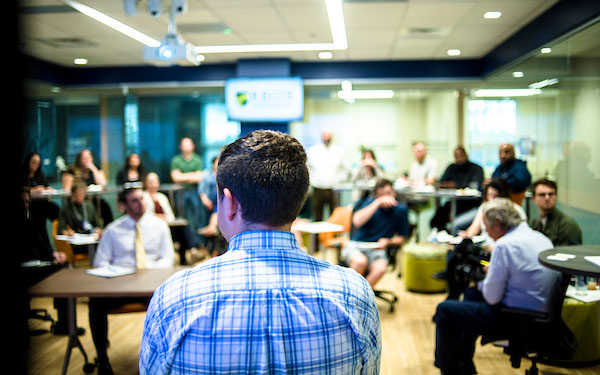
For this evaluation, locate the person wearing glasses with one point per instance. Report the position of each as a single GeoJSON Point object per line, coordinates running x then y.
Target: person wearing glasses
{"type": "Point", "coordinates": [560, 228]}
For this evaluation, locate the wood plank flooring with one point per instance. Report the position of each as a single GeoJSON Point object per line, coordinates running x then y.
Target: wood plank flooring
{"type": "Point", "coordinates": [408, 340]}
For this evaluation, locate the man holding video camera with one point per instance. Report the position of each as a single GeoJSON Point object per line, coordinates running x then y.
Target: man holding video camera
{"type": "Point", "coordinates": [514, 278]}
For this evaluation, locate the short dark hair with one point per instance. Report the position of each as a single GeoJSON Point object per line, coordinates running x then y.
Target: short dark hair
{"type": "Point", "coordinates": [499, 184]}
{"type": "Point", "coordinates": [123, 194]}
{"type": "Point", "coordinates": [266, 172]}
{"type": "Point", "coordinates": [546, 182]}
{"type": "Point", "coordinates": [381, 183]}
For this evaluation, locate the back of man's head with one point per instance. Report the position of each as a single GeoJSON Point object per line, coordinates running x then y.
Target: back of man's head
{"type": "Point", "coordinates": [266, 172]}
{"type": "Point", "coordinates": [502, 210]}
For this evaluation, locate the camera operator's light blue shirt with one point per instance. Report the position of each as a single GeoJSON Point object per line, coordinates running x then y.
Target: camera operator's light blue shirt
{"type": "Point", "coordinates": [515, 277]}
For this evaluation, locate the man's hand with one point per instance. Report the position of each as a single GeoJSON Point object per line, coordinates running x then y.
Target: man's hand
{"type": "Point", "coordinates": [386, 202]}
{"type": "Point", "coordinates": [383, 243]}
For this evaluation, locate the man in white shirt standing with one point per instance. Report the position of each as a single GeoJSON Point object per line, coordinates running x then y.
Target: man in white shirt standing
{"type": "Point", "coordinates": [327, 168]}
{"type": "Point", "coordinates": [136, 240]}
{"type": "Point", "coordinates": [424, 169]}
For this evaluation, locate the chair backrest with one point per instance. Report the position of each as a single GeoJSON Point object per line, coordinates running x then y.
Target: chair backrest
{"type": "Point", "coordinates": [61, 245]}
{"type": "Point", "coordinates": [341, 215]}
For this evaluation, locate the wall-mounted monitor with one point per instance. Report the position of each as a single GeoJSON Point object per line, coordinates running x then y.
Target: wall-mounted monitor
{"type": "Point", "coordinates": [264, 99]}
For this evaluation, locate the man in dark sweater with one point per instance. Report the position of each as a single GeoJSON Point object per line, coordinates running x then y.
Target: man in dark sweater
{"type": "Point", "coordinates": [461, 174]}
{"type": "Point", "coordinates": [514, 171]}
{"type": "Point", "coordinates": [558, 227]}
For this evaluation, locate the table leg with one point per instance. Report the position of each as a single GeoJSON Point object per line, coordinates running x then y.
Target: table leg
{"type": "Point", "coordinates": [452, 211]}
{"type": "Point", "coordinates": [73, 338]}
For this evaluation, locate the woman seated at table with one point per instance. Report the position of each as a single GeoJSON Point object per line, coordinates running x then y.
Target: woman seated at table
{"type": "Point", "coordinates": [84, 169]}
{"type": "Point", "coordinates": [158, 204]}
{"type": "Point", "coordinates": [132, 172]}
{"type": "Point", "coordinates": [78, 215]}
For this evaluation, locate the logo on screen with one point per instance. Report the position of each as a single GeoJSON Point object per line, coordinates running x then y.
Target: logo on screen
{"type": "Point", "coordinates": [242, 98]}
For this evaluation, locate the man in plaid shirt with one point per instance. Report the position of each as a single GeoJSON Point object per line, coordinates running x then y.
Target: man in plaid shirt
{"type": "Point", "coordinates": [265, 306]}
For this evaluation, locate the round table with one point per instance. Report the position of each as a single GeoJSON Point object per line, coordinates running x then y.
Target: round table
{"type": "Point", "coordinates": [574, 266]}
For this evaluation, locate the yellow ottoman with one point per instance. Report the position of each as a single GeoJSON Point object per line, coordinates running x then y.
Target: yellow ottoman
{"type": "Point", "coordinates": [419, 263]}
{"type": "Point", "coordinates": [582, 320]}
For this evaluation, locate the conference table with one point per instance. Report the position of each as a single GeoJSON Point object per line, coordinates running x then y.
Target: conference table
{"type": "Point", "coordinates": [71, 283]}
{"type": "Point", "coordinates": [573, 260]}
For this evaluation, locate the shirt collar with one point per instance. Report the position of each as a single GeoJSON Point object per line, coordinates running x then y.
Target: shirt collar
{"type": "Point", "coordinates": [263, 239]}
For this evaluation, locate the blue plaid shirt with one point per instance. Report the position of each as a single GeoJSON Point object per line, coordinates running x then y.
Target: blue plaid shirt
{"type": "Point", "coordinates": [265, 306]}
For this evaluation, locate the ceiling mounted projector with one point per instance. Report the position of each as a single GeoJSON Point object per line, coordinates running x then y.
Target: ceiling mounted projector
{"type": "Point", "coordinates": [172, 51]}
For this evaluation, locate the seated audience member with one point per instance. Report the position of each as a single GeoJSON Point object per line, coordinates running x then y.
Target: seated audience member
{"type": "Point", "coordinates": [368, 169]}
{"type": "Point", "coordinates": [265, 305]}
{"type": "Point", "coordinates": [514, 278]}
{"type": "Point", "coordinates": [381, 219]}
{"type": "Point", "coordinates": [496, 188]}
{"type": "Point", "coordinates": [424, 169]}
{"type": "Point", "coordinates": [207, 189]}
{"type": "Point", "coordinates": [78, 215]}
{"type": "Point", "coordinates": [514, 171]}
{"type": "Point", "coordinates": [158, 204]}
{"type": "Point", "coordinates": [84, 169]}
{"type": "Point", "coordinates": [558, 227]}
{"type": "Point", "coordinates": [118, 247]}
{"type": "Point", "coordinates": [34, 181]}
{"type": "Point", "coordinates": [459, 175]}
{"type": "Point", "coordinates": [132, 171]}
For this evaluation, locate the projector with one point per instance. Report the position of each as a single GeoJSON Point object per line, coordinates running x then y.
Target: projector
{"type": "Point", "coordinates": [172, 51]}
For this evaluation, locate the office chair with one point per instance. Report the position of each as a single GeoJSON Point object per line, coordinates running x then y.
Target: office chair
{"type": "Point", "coordinates": [342, 216]}
{"type": "Point", "coordinates": [40, 314]}
{"type": "Point", "coordinates": [541, 337]}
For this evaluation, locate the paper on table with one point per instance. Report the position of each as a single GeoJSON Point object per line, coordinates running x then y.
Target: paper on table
{"type": "Point", "coordinates": [593, 259]}
{"type": "Point", "coordinates": [110, 271]}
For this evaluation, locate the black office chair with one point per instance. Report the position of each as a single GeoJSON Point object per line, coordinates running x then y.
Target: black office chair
{"type": "Point", "coordinates": [541, 337]}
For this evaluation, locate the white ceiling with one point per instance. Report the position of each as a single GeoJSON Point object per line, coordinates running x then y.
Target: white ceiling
{"type": "Point", "coordinates": [376, 30]}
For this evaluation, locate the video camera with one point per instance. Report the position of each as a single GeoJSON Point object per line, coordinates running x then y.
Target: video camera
{"type": "Point", "coordinates": [470, 259]}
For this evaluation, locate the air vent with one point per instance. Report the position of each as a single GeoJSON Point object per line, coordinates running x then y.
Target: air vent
{"type": "Point", "coordinates": [67, 42]}
{"type": "Point", "coordinates": [424, 33]}
{"type": "Point", "coordinates": [201, 28]}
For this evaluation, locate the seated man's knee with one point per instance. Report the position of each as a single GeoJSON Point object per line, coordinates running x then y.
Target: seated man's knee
{"type": "Point", "coordinates": [378, 267]}
{"type": "Point", "coordinates": [359, 262]}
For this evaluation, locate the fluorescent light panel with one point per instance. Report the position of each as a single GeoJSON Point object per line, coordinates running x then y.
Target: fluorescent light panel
{"type": "Point", "coordinates": [113, 23]}
{"type": "Point", "coordinates": [365, 94]}
{"type": "Point", "coordinates": [454, 52]}
{"type": "Point", "coordinates": [338, 35]}
{"type": "Point", "coordinates": [492, 15]}
{"type": "Point", "coordinates": [544, 83]}
{"type": "Point", "coordinates": [495, 93]}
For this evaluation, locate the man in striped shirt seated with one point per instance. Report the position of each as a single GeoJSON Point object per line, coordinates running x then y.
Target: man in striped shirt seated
{"type": "Point", "coordinates": [265, 306]}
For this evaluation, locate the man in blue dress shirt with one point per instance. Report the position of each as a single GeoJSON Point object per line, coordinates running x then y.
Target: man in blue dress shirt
{"type": "Point", "coordinates": [265, 306]}
{"type": "Point", "coordinates": [514, 278]}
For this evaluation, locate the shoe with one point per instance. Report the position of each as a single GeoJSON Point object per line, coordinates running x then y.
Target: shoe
{"type": "Point", "coordinates": [440, 275]}
{"type": "Point", "coordinates": [60, 329]}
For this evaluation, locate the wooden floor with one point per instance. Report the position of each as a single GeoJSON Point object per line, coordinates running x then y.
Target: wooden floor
{"type": "Point", "coordinates": [408, 340]}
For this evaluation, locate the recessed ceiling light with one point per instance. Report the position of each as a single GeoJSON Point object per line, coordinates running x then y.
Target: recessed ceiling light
{"type": "Point", "coordinates": [80, 61]}
{"type": "Point", "coordinates": [492, 15]}
{"type": "Point", "coordinates": [325, 55]}
{"type": "Point", "coordinates": [546, 50]}
{"type": "Point", "coordinates": [454, 52]}
{"type": "Point", "coordinates": [517, 74]}
{"type": "Point", "coordinates": [200, 57]}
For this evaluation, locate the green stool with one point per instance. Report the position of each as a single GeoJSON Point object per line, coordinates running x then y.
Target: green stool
{"type": "Point", "coordinates": [419, 263]}
{"type": "Point", "coordinates": [582, 319]}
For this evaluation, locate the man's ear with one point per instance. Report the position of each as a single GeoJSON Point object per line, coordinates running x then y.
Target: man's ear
{"type": "Point", "coordinates": [230, 205]}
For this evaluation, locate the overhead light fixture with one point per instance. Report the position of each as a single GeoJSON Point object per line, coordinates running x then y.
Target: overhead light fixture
{"type": "Point", "coordinates": [338, 34]}
{"type": "Point", "coordinates": [80, 61]}
{"type": "Point", "coordinates": [325, 55]}
{"type": "Point", "coordinates": [492, 15]}
{"type": "Point", "coordinates": [113, 23]}
{"type": "Point", "coordinates": [504, 93]}
{"type": "Point", "coordinates": [517, 74]}
{"type": "Point", "coordinates": [544, 83]}
{"type": "Point", "coordinates": [454, 52]}
{"type": "Point", "coordinates": [546, 50]}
